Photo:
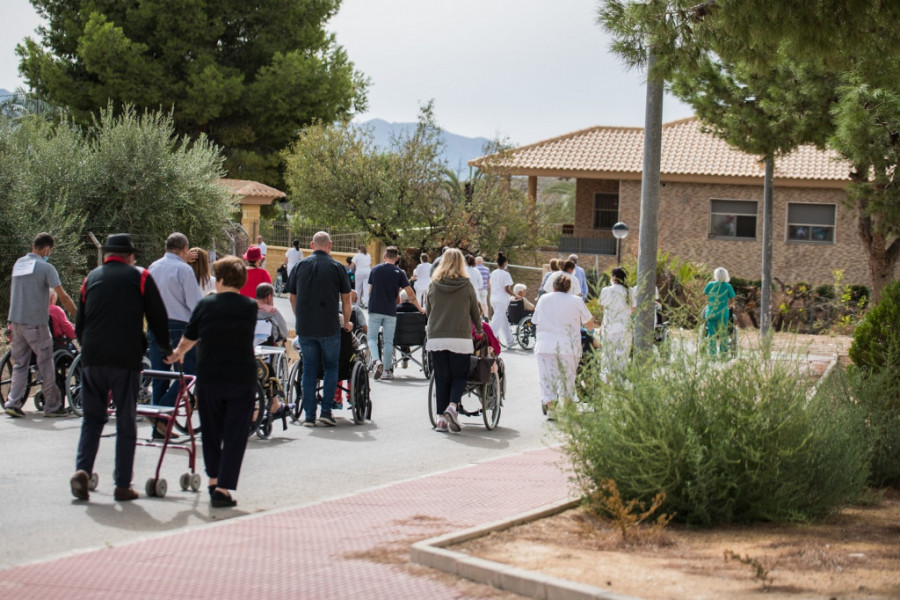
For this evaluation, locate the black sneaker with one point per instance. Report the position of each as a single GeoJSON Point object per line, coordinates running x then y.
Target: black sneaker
{"type": "Point", "coordinates": [59, 412]}
{"type": "Point", "coordinates": [379, 369]}
{"type": "Point", "coordinates": [14, 412]}
{"type": "Point", "coordinates": [327, 420]}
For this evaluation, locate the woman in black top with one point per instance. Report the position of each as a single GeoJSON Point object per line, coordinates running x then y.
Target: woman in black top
{"type": "Point", "coordinates": [226, 375]}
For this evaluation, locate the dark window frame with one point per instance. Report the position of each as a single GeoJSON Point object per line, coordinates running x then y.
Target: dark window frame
{"type": "Point", "coordinates": [740, 222]}
{"type": "Point", "coordinates": [601, 215]}
{"type": "Point", "coordinates": [808, 231]}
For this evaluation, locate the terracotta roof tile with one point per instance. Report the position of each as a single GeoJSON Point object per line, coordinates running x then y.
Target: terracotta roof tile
{"type": "Point", "coordinates": [686, 150]}
{"type": "Point", "coordinates": [244, 187]}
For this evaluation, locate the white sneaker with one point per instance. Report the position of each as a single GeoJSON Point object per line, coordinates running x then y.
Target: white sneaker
{"type": "Point", "coordinates": [452, 418]}
{"type": "Point", "coordinates": [387, 376]}
{"type": "Point", "coordinates": [441, 426]}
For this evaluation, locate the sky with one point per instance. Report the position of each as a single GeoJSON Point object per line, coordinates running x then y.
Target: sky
{"type": "Point", "coordinates": [520, 71]}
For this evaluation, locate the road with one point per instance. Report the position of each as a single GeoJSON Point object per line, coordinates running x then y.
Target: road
{"type": "Point", "coordinates": [294, 467]}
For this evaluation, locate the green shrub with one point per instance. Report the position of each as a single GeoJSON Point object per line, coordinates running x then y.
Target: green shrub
{"type": "Point", "coordinates": [726, 442]}
{"type": "Point", "coordinates": [877, 393]}
{"type": "Point", "coordinates": [876, 341]}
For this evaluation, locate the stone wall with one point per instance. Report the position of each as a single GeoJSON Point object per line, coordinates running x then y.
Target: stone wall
{"type": "Point", "coordinates": [684, 230]}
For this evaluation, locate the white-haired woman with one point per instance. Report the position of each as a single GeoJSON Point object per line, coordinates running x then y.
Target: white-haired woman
{"type": "Point", "coordinates": [453, 310]}
{"type": "Point", "coordinates": [720, 299]}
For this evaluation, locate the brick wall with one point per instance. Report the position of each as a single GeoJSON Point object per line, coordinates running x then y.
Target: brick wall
{"type": "Point", "coordinates": [684, 227]}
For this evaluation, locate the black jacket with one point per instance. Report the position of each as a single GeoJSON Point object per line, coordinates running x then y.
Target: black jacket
{"type": "Point", "coordinates": [115, 299]}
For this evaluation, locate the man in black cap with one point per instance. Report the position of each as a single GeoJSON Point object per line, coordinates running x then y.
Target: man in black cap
{"type": "Point", "coordinates": [115, 299]}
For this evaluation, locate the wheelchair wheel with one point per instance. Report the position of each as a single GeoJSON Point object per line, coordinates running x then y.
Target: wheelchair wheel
{"type": "Point", "coordinates": [490, 402]}
{"type": "Point", "coordinates": [259, 410]}
{"type": "Point", "coordinates": [294, 391]}
{"type": "Point", "coordinates": [73, 386]}
{"type": "Point", "coordinates": [6, 369]}
{"type": "Point", "coordinates": [359, 393]}
{"type": "Point", "coordinates": [426, 362]}
{"type": "Point", "coordinates": [62, 361]}
{"type": "Point", "coordinates": [432, 403]}
{"type": "Point", "coordinates": [145, 394]}
{"type": "Point", "coordinates": [525, 333]}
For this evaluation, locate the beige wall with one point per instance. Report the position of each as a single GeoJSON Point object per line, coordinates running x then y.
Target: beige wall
{"type": "Point", "coordinates": [684, 227]}
{"type": "Point", "coordinates": [275, 257]}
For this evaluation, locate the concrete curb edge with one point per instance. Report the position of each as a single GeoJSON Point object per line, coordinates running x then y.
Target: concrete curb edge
{"type": "Point", "coordinates": [433, 553]}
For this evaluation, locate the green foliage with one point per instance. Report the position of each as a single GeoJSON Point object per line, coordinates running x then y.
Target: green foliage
{"type": "Point", "coordinates": [127, 173]}
{"type": "Point", "coordinates": [726, 442]}
{"type": "Point", "coordinates": [876, 341]}
{"type": "Point", "coordinates": [248, 77]}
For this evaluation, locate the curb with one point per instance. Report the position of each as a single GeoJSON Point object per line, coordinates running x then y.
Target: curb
{"type": "Point", "coordinates": [433, 553]}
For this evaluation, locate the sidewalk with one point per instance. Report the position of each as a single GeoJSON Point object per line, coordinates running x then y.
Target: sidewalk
{"type": "Point", "coordinates": [351, 547]}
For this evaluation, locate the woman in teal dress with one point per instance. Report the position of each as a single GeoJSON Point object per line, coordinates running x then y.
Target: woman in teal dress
{"type": "Point", "coordinates": [718, 310]}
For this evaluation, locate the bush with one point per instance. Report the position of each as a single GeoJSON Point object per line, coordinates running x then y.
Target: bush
{"type": "Point", "coordinates": [876, 341]}
{"type": "Point", "coordinates": [735, 442]}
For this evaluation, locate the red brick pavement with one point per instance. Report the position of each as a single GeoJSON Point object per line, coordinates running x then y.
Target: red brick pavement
{"type": "Point", "coordinates": [351, 547]}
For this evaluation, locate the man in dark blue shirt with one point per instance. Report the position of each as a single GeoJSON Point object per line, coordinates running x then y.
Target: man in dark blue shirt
{"type": "Point", "coordinates": [385, 283]}
{"type": "Point", "coordinates": [317, 286]}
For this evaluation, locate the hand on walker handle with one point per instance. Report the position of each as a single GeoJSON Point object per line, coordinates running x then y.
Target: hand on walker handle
{"type": "Point", "coordinates": [172, 358]}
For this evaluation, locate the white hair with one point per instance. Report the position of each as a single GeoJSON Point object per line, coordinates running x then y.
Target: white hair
{"type": "Point", "coordinates": [519, 287]}
{"type": "Point", "coordinates": [721, 274]}
{"type": "Point", "coordinates": [404, 297]}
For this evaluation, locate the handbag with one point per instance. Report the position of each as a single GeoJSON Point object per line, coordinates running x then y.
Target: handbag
{"type": "Point", "coordinates": [481, 368]}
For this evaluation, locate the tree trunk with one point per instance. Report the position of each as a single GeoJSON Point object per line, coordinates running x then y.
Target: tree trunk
{"type": "Point", "coordinates": [765, 298]}
{"type": "Point", "coordinates": [882, 258]}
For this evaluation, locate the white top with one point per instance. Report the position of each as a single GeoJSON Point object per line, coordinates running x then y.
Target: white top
{"type": "Point", "coordinates": [475, 278]}
{"type": "Point", "coordinates": [574, 285]}
{"type": "Point", "coordinates": [210, 287]}
{"type": "Point", "coordinates": [423, 276]}
{"type": "Point", "coordinates": [455, 345]}
{"type": "Point", "coordinates": [617, 302]}
{"type": "Point", "coordinates": [293, 257]}
{"type": "Point", "coordinates": [500, 278]}
{"type": "Point", "coordinates": [262, 248]}
{"type": "Point", "coordinates": [559, 318]}
{"type": "Point", "coordinates": [363, 262]}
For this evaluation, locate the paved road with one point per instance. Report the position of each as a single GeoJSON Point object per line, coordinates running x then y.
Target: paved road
{"type": "Point", "coordinates": [295, 467]}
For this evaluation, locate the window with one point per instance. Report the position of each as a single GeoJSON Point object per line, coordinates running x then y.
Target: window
{"type": "Point", "coordinates": [811, 223]}
{"type": "Point", "coordinates": [606, 210]}
{"type": "Point", "coordinates": [734, 219]}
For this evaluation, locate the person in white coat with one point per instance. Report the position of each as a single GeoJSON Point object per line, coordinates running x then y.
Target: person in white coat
{"type": "Point", "coordinates": [362, 266]}
{"type": "Point", "coordinates": [422, 277]}
{"type": "Point", "coordinates": [559, 317]}
{"type": "Point", "coordinates": [501, 293]}
{"type": "Point", "coordinates": [617, 302]}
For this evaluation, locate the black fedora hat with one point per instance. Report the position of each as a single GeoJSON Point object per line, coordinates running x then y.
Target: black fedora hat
{"type": "Point", "coordinates": [119, 242]}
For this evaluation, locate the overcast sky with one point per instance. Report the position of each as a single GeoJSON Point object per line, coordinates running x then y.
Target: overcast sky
{"type": "Point", "coordinates": [525, 71]}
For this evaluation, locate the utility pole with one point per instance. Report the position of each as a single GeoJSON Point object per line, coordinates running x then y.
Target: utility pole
{"type": "Point", "coordinates": [645, 318]}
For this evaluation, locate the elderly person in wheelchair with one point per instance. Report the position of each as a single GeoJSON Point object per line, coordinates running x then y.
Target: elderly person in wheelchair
{"type": "Point", "coordinates": [271, 331]}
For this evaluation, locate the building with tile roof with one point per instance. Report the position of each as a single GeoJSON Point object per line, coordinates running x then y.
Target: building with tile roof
{"type": "Point", "coordinates": [710, 200]}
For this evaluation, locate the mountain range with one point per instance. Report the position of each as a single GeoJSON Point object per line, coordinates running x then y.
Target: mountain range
{"type": "Point", "coordinates": [458, 149]}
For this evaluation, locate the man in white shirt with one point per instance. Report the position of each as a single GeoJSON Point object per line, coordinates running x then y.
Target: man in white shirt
{"type": "Point", "coordinates": [262, 250]}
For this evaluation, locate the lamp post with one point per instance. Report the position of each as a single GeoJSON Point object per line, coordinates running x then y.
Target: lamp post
{"type": "Point", "coordinates": [620, 232]}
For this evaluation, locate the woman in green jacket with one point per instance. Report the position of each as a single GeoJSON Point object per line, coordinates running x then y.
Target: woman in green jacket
{"type": "Point", "coordinates": [452, 306]}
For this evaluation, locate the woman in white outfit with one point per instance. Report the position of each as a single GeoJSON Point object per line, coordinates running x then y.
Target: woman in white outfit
{"type": "Point", "coordinates": [617, 302]}
{"type": "Point", "coordinates": [501, 293]}
{"type": "Point", "coordinates": [362, 263]}
{"type": "Point", "coordinates": [559, 317]}
{"type": "Point", "coordinates": [422, 273]}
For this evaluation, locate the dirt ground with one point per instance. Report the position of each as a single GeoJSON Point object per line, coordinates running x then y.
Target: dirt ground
{"type": "Point", "coordinates": [854, 555]}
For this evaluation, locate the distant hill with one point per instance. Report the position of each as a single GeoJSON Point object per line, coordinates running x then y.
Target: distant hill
{"type": "Point", "coordinates": [4, 93]}
{"type": "Point", "coordinates": [458, 149]}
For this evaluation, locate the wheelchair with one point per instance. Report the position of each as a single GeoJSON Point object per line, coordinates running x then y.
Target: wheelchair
{"type": "Point", "coordinates": [353, 380]}
{"type": "Point", "coordinates": [489, 392]}
{"type": "Point", "coordinates": [73, 384]}
{"type": "Point", "coordinates": [64, 354]}
{"type": "Point", "coordinates": [409, 338]}
{"type": "Point", "coordinates": [272, 374]}
{"type": "Point", "coordinates": [281, 280]}
{"type": "Point", "coordinates": [523, 329]}
{"type": "Point", "coordinates": [730, 338]}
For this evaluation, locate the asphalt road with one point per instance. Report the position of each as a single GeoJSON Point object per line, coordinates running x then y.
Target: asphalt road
{"type": "Point", "coordinates": [40, 519]}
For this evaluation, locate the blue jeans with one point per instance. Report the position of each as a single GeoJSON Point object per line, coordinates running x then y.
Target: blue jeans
{"type": "Point", "coordinates": [316, 351]}
{"type": "Point", "coordinates": [163, 393]}
{"type": "Point", "coordinates": [389, 324]}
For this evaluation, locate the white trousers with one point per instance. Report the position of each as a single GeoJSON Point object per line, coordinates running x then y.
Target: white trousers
{"type": "Point", "coordinates": [556, 374]}
{"type": "Point", "coordinates": [362, 287]}
{"type": "Point", "coordinates": [615, 348]}
{"type": "Point", "coordinates": [500, 323]}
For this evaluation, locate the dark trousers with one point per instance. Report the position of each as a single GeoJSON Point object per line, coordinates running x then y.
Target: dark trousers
{"type": "Point", "coordinates": [225, 412]}
{"type": "Point", "coordinates": [98, 383]}
{"type": "Point", "coordinates": [164, 390]}
{"type": "Point", "coordinates": [451, 371]}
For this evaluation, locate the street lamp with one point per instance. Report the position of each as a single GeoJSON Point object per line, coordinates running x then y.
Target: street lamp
{"type": "Point", "coordinates": [620, 232]}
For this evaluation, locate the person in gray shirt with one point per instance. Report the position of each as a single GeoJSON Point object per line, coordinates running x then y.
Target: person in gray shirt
{"type": "Point", "coordinates": [29, 316]}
